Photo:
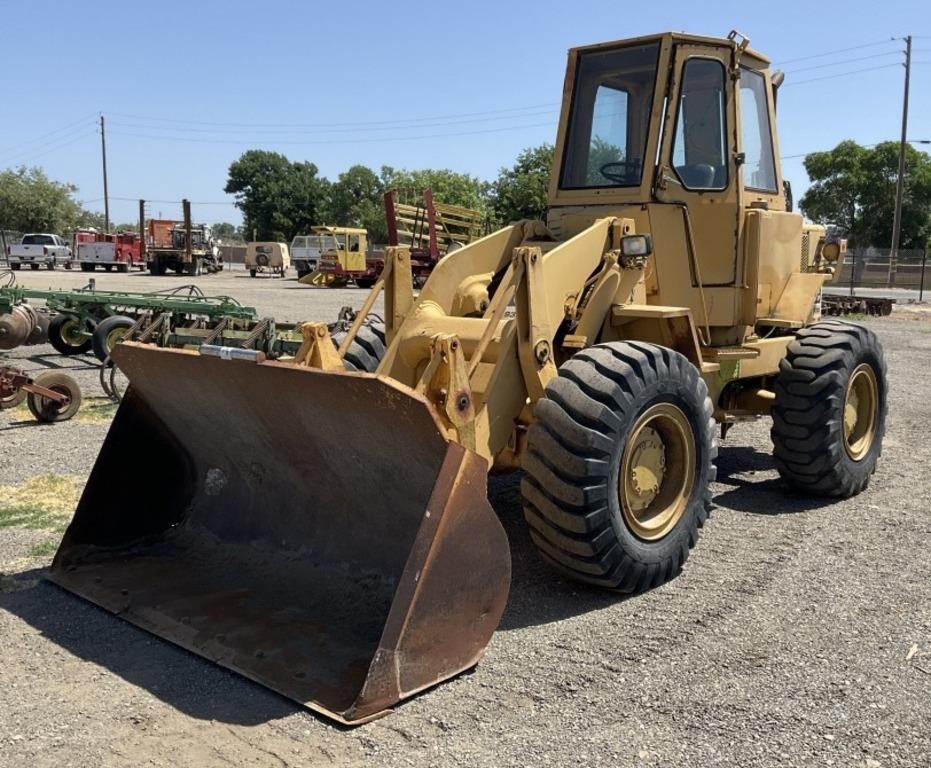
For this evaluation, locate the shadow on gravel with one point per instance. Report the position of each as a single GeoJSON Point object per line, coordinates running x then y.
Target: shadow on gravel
{"type": "Point", "coordinates": [200, 689]}
{"type": "Point", "coordinates": [180, 679]}
{"type": "Point", "coordinates": [55, 361]}
{"type": "Point", "coordinates": [738, 466]}
{"type": "Point", "coordinates": [539, 595]}
{"type": "Point", "coordinates": [22, 425]}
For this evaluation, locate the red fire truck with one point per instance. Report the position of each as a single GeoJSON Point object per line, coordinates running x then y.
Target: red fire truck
{"type": "Point", "coordinates": [120, 250]}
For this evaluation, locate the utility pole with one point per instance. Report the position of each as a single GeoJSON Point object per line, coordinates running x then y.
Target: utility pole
{"type": "Point", "coordinates": [900, 183]}
{"type": "Point", "coordinates": [106, 196]}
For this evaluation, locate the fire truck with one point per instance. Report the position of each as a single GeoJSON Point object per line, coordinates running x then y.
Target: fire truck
{"type": "Point", "coordinates": [120, 250]}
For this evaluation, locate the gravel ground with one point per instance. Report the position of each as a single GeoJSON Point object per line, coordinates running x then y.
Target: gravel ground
{"type": "Point", "coordinates": [798, 635]}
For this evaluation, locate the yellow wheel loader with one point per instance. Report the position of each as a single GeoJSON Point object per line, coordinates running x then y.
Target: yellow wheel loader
{"type": "Point", "coordinates": [346, 554]}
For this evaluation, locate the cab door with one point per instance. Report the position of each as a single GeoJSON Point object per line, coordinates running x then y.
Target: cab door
{"type": "Point", "coordinates": [698, 168]}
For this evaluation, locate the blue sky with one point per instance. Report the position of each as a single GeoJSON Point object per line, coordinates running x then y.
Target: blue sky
{"type": "Point", "coordinates": [187, 87]}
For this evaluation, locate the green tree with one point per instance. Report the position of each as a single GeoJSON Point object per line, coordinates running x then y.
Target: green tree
{"type": "Point", "coordinates": [356, 200]}
{"type": "Point", "coordinates": [853, 190]}
{"type": "Point", "coordinates": [228, 232]}
{"type": "Point", "coordinates": [520, 191]}
{"type": "Point", "coordinates": [448, 186]}
{"type": "Point", "coordinates": [278, 198]}
{"type": "Point", "coordinates": [32, 202]}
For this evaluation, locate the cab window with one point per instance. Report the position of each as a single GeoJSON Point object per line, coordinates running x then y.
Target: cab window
{"type": "Point", "coordinates": [759, 164]}
{"type": "Point", "coordinates": [610, 117]}
{"type": "Point", "coordinates": [699, 149]}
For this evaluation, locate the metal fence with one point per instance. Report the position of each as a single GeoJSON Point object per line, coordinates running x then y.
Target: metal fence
{"type": "Point", "coordinates": [871, 268]}
{"type": "Point", "coordinates": [7, 237]}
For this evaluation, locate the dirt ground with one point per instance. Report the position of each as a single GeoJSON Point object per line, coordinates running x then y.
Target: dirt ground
{"type": "Point", "coordinates": [799, 633]}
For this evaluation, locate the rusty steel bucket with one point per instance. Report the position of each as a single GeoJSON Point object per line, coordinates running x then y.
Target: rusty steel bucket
{"type": "Point", "coordinates": [313, 531]}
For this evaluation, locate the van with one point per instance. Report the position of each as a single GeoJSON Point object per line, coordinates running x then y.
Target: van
{"type": "Point", "coordinates": [267, 257]}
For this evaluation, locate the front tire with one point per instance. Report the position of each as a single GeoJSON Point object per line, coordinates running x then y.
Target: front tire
{"type": "Point", "coordinates": [107, 333]}
{"type": "Point", "coordinates": [367, 348]}
{"type": "Point", "coordinates": [829, 415]}
{"type": "Point", "coordinates": [64, 334]}
{"type": "Point", "coordinates": [619, 466]}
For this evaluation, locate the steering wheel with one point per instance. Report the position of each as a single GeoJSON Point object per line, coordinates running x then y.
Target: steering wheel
{"type": "Point", "coordinates": [629, 167]}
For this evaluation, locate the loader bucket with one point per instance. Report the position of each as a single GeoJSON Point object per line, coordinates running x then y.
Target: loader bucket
{"type": "Point", "coordinates": [313, 531]}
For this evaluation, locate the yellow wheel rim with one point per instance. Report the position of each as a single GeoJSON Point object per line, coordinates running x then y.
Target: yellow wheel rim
{"type": "Point", "coordinates": [860, 408]}
{"type": "Point", "coordinates": [657, 472]}
{"type": "Point", "coordinates": [113, 337]}
{"type": "Point", "coordinates": [71, 333]}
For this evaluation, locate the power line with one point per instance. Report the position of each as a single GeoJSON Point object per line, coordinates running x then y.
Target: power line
{"type": "Point", "coordinates": [164, 202]}
{"type": "Point", "coordinates": [330, 124]}
{"type": "Point", "coordinates": [14, 149]}
{"type": "Point", "coordinates": [32, 155]}
{"type": "Point", "coordinates": [839, 50]}
{"type": "Point", "coordinates": [839, 74]}
{"type": "Point", "coordinates": [328, 129]}
{"type": "Point", "coordinates": [843, 61]}
{"type": "Point", "coordinates": [332, 141]}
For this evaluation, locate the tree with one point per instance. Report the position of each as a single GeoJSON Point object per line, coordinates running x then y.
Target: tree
{"type": "Point", "coordinates": [228, 232]}
{"type": "Point", "coordinates": [32, 202]}
{"type": "Point", "coordinates": [448, 186]}
{"type": "Point", "coordinates": [520, 191]}
{"type": "Point", "coordinates": [853, 190]}
{"type": "Point", "coordinates": [278, 198]}
{"type": "Point", "coordinates": [356, 201]}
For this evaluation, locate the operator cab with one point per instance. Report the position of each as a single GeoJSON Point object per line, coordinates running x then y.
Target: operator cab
{"type": "Point", "coordinates": [661, 113]}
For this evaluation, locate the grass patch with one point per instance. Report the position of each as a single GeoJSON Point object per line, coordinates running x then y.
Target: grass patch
{"type": "Point", "coordinates": [96, 410]}
{"type": "Point", "coordinates": [43, 502]}
{"type": "Point", "coordinates": [44, 549]}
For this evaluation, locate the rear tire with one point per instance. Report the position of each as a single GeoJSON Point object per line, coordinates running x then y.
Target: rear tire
{"type": "Point", "coordinates": [829, 415]}
{"type": "Point", "coordinates": [619, 466]}
{"type": "Point", "coordinates": [366, 350]}
{"type": "Point", "coordinates": [365, 282]}
{"type": "Point", "coordinates": [63, 335]}
{"type": "Point", "coordinates": [15, 267]}
{"type": "Point", "coordinates": [48, 411]}
{"type": "Point", "coordinates": [107, 333]}
{"type": "Point", "coordinates": [34, 266]}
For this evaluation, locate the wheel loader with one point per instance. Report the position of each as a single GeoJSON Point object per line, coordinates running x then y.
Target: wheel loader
{"type": "Point", "coordinates": [343, 551]}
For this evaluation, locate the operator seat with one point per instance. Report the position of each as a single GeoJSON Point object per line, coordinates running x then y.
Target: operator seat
{"type": "Point", "coordinates": [698, 176]}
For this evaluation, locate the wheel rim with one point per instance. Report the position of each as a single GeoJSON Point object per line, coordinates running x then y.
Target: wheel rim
{"type": "Point", "coordinates": [71, 333]}
{"type": "Point", "coordinates": [860, 406]}
{"type": "Point", "coordinates": [50, 406]}
{"type": "Point", "coordinates": [114, 336]}
{"type": "Point", "coordinates": [657, 472]}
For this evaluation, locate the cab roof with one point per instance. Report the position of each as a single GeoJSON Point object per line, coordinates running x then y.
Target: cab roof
{"type": "Point", "coordinates": [670, 38]}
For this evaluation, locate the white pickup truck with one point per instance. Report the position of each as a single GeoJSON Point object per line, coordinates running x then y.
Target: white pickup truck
{"type": "Point", "coordinates": [38, 249]}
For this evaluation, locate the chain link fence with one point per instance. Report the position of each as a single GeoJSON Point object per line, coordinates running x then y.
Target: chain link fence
{"type": "Point", "coordinates": [872, 268]}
